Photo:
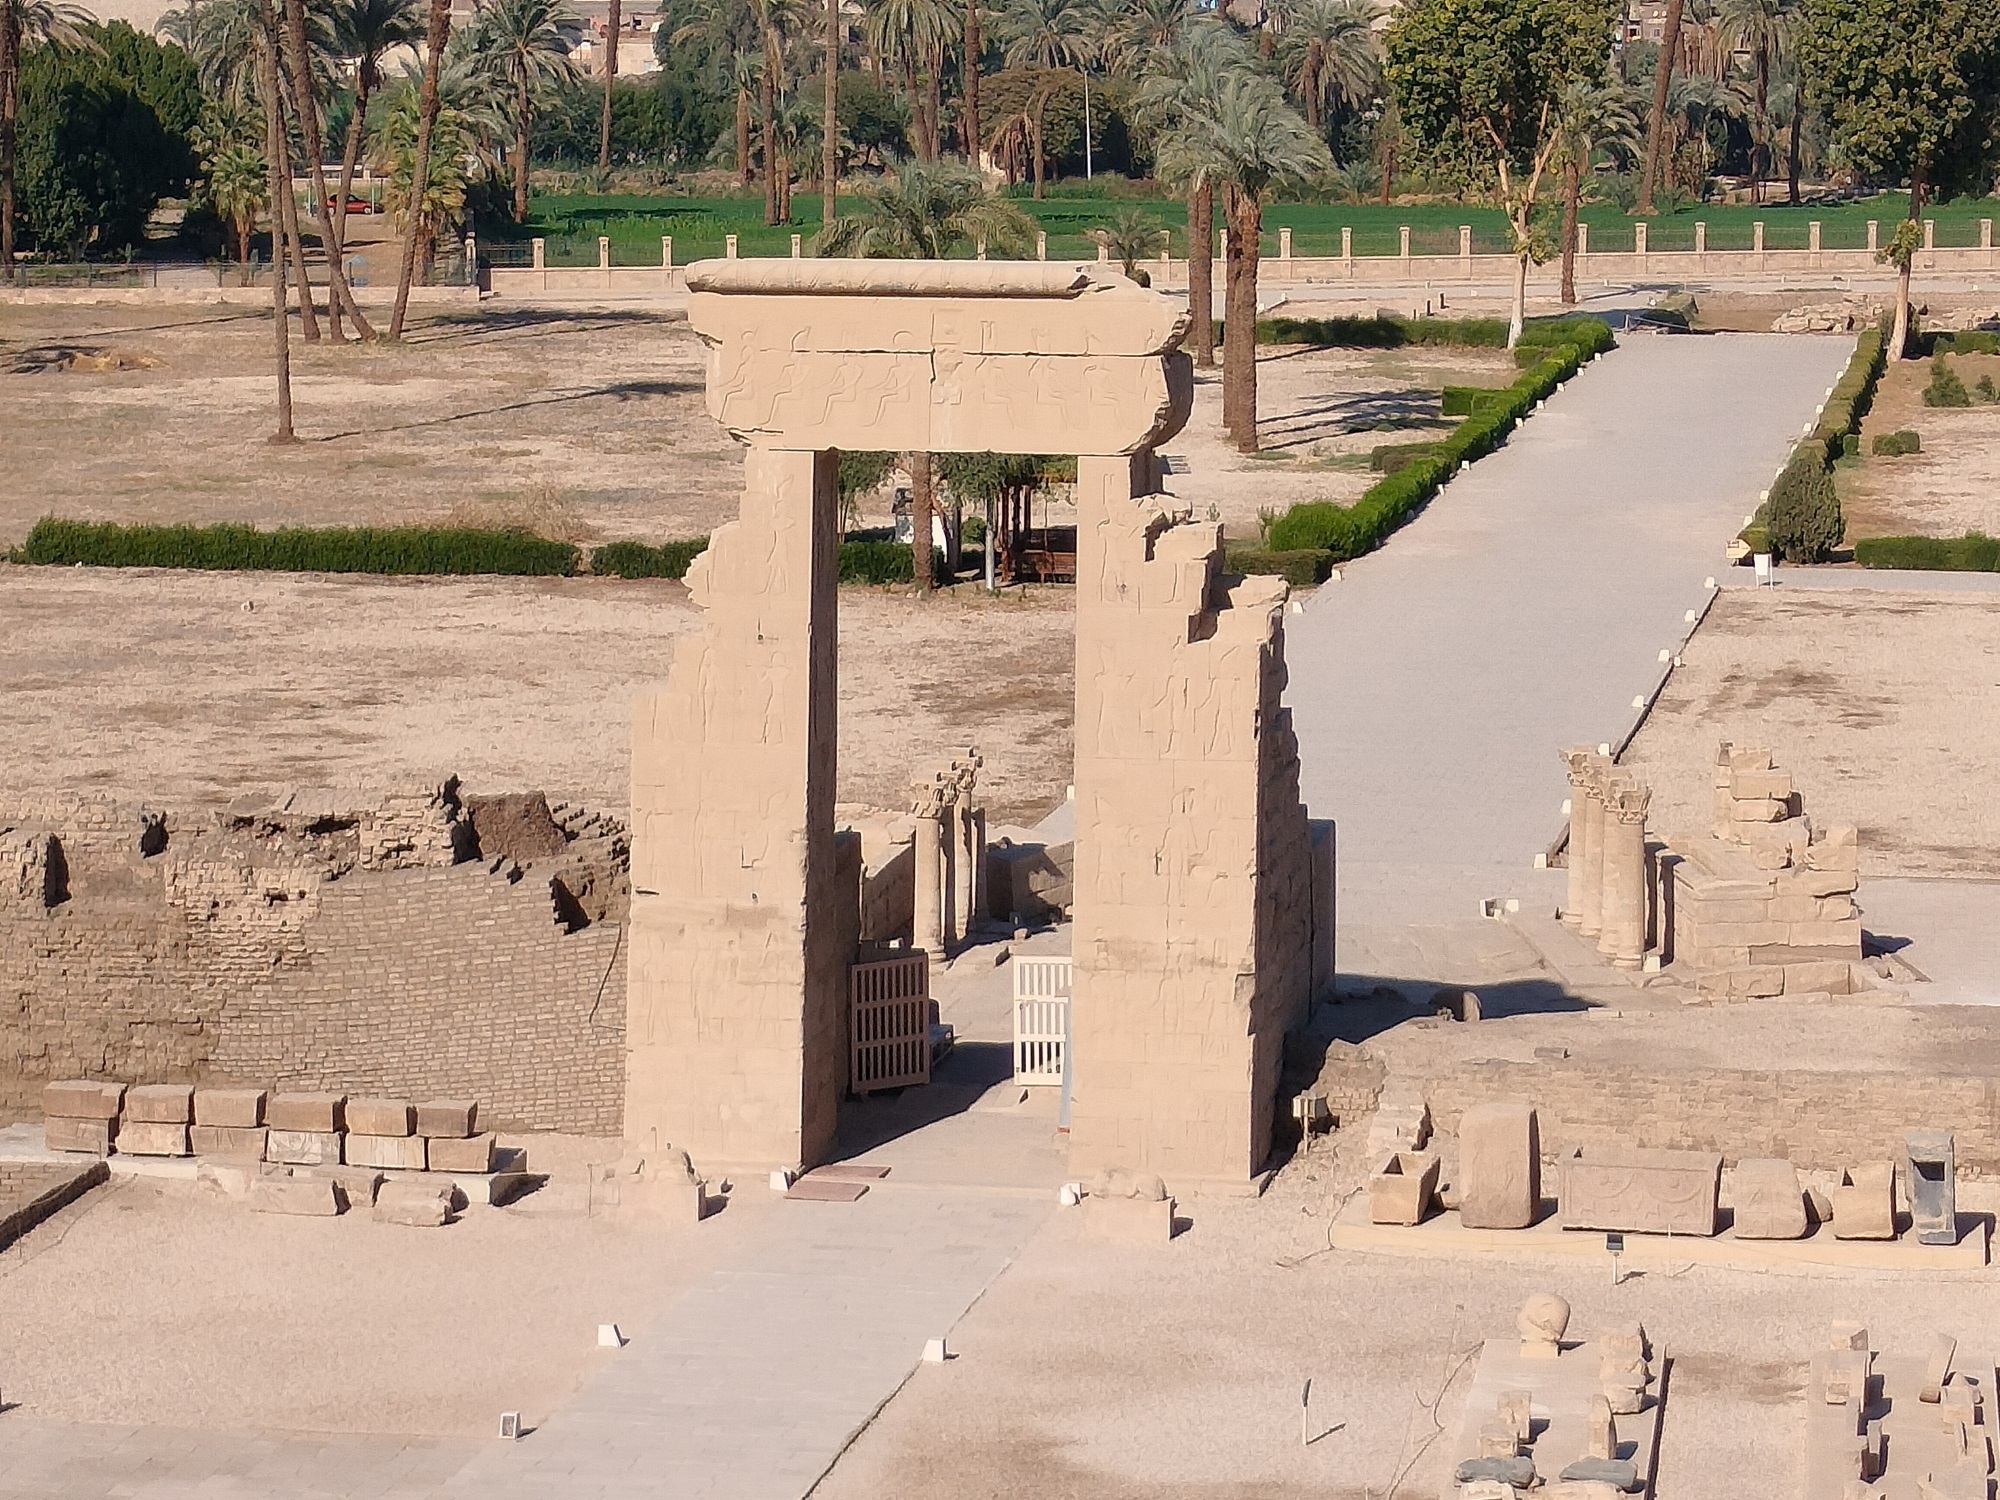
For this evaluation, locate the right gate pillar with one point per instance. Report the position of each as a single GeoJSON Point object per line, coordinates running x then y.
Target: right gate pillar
{"type": "Point", "coordinates": [1194, 908]}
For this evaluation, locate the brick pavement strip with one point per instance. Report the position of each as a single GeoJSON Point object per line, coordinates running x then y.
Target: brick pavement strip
{"type": "Point", "coordinates": [32, 1190]}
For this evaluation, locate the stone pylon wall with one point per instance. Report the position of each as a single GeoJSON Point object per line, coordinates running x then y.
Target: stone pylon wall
{"type": "Point", "coordinates": [1193, 926]}
{"type": "Point", "coordinates": [741, 928]}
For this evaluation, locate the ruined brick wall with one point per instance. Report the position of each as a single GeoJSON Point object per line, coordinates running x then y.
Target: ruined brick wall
{"type": "Point", "coordinates": [305, 947]}
{"type": "Point", "coordinates": [1820, 1120]}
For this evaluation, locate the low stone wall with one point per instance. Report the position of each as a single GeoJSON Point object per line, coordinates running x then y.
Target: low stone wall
{"type": "Point", "coordinates": [1819, 1120]}
{"type": "Point", "coordinates": [310, 946]}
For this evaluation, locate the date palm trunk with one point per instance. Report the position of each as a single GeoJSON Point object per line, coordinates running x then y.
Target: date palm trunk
{"type": "Point", "coordinates": [306, 100]}
{"type": "Point", "coordinates": [611, 24]}
{"type": "Point", "coordinates": [1792, 148]}
{"type": "Point", "coordinates": [1572, 190]}
{"type": "Point", "coordinates": [289, 206]}
{"type": "Point", "coordinates": [829, 139]}
{"type": "Point", "coordinates": [742, 136]}
{"type": "Point", "coordinates": [10, 57]}
{"type": "Point", "coordinates": [923, 505]}
{"type": "Point", "coordinates": [436, 34]}
{"type": "Point", "coordinates": [521, 123]}
{"type": "Point", "coordinates": [351, 149]}
{"type": "Point", "coordinates": [280, 187]}
{"type": "Point", "coordinates": [1656, 121]}
{"type": "Point", "coordinates": [970, 82]}
{"type": "Point", "coordinates": [1201, 272]}
{"type": "Point", "coordinates": [768, 124]}
{"type": "Point", "coordinates": [1243, 214]}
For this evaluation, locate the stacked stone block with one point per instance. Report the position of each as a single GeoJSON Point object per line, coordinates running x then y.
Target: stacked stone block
{"type": "Point", "coordinates": [156, 1120]}
{"type": "Point", "coordinates": [1766, 906]}
{"type": "Point", "coordinates": [81, 1115]}
{"type": "Point", "coordinates": [383, 1133]}
{"type": "Point", "coordinates": [228, 1122]}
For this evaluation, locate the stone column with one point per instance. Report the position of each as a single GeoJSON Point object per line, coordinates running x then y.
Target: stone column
{"type": "Point", "coordinates": [1623, 939]}
{"type": "Point", "coordinates": [976, 844]}
{"type": "Point", "coordinates": [736, 998]}
{"type": "Point", "coordinates": [948, 862]}
{"type": "Point", "coordinates": [1577, 760]}
{"type": "Point", "coordinates": [1591, 854]}
{"type": "Point", "coordinates": [926, 893]}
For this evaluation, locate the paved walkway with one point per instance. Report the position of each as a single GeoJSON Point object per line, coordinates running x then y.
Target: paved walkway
{"type": "Point", "coordinates": [1433, 686]}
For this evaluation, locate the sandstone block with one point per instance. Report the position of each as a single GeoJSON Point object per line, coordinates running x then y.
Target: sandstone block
{"type": "Point", "coordinates": [420, 1205]}
{"type": "Point", "coordinates": [1647, 1192]}
{"type": "Point", "coordinates": [229, 1175]}
{"type": "Point", "coordinates": [315, 1113]}
{"type": "Point", "coordinates": [1765, 784]}
{"type": "Point", "coordinates": [1815, 882]}
{"type": "Point", "coordinates": [1499, 1165]}
{"type": "Point", "coordinates": [68, 1133]}
{"type": "Point", "coordinates": [159, 1104]}
{"type": "Point", "coordinates": [401, 1153]}
{"type": "Point", "coordinates": [305, 1148]}
{"type": "Point", "coordinates": [358, 1185]}
{"type": "Point", "coordinates": [1128, 1221]}
{"type": "Point", "coordinates": [1930, 1179]}
{"type": "Point", "coordinates": [227, 1140]}
{"type": "Point", "coordinates": [230, 1108]}
{"type": "Point", "coordinates": [471, 1154]}
{"type": "Point", "coordinates": [1401, 1192]}
{"type": "Point", "coordinates": [152, 1138]}
{"type": "Point", "coordinates": [1769, 1203]}
{"type": "Point", "coordinates": [82, 1099]}
{"type": "Point", "coordinates": [1759, 810]}
{"type": "Point", "coordinates": [1864, 1205]}
{"type": "Point", "coordinates": [314, 1197]}
{"type": "Point", "coordinates": [380, 1117]}
{"type": "Point", "coordinates": [442, 1118]}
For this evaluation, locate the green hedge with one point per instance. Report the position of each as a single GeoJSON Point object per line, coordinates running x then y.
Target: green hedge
{"type": "Point", "coordinates": [1854, 392]}
{"type": "Point", "coordinates": [1896, 444]}
{"type": "Point", "coordinates": [1975, 552]}
{"type": "Point", "coordinates": [637, 560]}
{"type": "Point", "coordinates": [1971, 341]}
{"type": "Point", "coordinates": [1301, 568]}
{"type": "Point", "coordinates": [299, 549]}
{"type": "Point", "coordinates": [1389, 458]}
{"type": "Point", "coordinates": [1464, 400]}
{"type": "Point", "coordinates": [1345, 531]}
{"type": "Point", "coordinates": [1591, 334]}
{"type": "Point", "coordinates": [1803, 515]}
{"type": "Point", "coordinates": [885, 562]}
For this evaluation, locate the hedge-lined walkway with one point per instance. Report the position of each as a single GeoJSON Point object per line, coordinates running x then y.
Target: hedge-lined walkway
{"type": "Point", "coordinates": [1525, 608]}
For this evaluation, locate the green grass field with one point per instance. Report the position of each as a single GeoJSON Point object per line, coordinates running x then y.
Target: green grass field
{"type": "Point", "coordinates": [571, 225]}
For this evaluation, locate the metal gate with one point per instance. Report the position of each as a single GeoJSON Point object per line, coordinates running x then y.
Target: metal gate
{"type": "Point", "coordinates": [1041, 1019]}
{"type": "Point", "coordinates": [889, 1023]}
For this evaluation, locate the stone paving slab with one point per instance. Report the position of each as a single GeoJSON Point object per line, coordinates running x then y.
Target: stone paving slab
{"type": "Point", "coordinates": [1434, 684]}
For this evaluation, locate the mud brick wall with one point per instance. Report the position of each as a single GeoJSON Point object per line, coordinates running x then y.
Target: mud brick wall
{"type": "Point", "coordinates": [1820, 1120]}
{"type": "Point", "coordinates": [312, 949]}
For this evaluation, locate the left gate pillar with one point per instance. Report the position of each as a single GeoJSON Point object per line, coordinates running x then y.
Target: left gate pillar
{"type": "Point", "coordinates": [736, 1045]}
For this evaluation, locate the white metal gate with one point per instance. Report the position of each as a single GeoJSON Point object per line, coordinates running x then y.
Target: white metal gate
{"type": "Point", "coordinates": [889, 1023]}
{"type": "Point", "coordinates": [1041, 1018]}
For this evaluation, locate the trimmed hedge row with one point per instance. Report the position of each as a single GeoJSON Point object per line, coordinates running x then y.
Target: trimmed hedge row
{"type": "Point", "coordinates": [297, 549]}
{"type": "Point", "coordinates": [1896, 444]}
{"type": "Point", "coordinates": [1591, 334]}
{"type": "Point", "coordinates": [1975, 552]}
{"type": "Point", "coordinates": [637, 560]}
{"type": "Point", "coordinates": [1802, 520]}
{"type": "Point", "coordinates": [1301, 568]}
{"type": "Point", "coordinates": [1854, 392]}
{"type": "Point", "coordinates": [1464, 400]}
{"type": "Point", "coordinates": [1391, 458]}
{"type": "Point", "coordinates": [1345, 531]}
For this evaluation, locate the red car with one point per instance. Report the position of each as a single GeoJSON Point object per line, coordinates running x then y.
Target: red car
{"type": "Point", "coordinates": [354, 205]}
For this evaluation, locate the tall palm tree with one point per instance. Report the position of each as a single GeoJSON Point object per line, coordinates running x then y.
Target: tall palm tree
{"type": "Point", "coordinates": [926, 212]}
{"type": "Point", "coordinates": [1055, 36]}
{"type": "Point", "coordinates": [777, 22]}
{"type": "Point", "coordinates": [1327, 52]}
{"type": "Point", "coordinates": [276, 158]}
{"type": "Point", "coordinates": [972, 47]}
{"type": "Point", "coordinates": [437, 34]}
{"type": "Point", "coordinates": [1242, 134]}
{"type": "Point", "coordinates": [1588, 117]}
{"type": "Point", "coordinates": [520, 43]}
{"type": "Point", "coordinates": [726, 35]}
{"type": "Point", "coordinates": [1176, 78]}
{"type": "Point", "coordinates": [24, 26]}
{"type": "Point", "coordinates": [238, 189]}
{"type": "Point", "coordinates": [364, 31]}
{"type": "Point", "coordinates": [1766, 29]}
{"type": "Point", "coordinates": [912, 35]}
{"type": "Point", "coordinates": [829, 123]}
{"type": "Point", "coordinates": [1656, 125]}
{"type": "Point", "coordinates": [299, 57]}
{"type": "Point", "coordinates": [612, 21]}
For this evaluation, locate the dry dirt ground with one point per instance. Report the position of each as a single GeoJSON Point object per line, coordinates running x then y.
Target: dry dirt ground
{"type": "Point", "coordinates": [1885, 708]}
{"type": "Point", "coordinates": [1950, 488]}
{"type": "Point", "coordinates": [592, 415]}
{"type": "Point", "coordinates": [161, 686]}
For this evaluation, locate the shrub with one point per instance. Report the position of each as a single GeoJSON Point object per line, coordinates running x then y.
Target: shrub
{"type": "Point", "coordinates": [1803, 513]}
{"type": "Point", "coordinates": [1314, 525]}
{"type": "Point", "coordinates": [1945, 389]}
{"type": "Point", "coordinates": [1385, 332]}
{"type": "Point", "coordinates": [1971, 341]}
{"type": "Point", "coordinates": [333, 549]}
{"type": "Point", "coordinates": [1464, 400]}
{"type": "Point", "coordinates": [637, 560]}
{"type": "Point", "coordinates": [1854, 392]}
{"type": "Point", "coordinates": [1391, 457]}
{"type": "Point", "coordinates": [1986, 390]}
{"type": "Point", "coordinates": [1896, 444]}
{"type": "Point", "coordinates": [1975, 552]}
{"type": "Point", "coordinates": [884, 562]}
{"type": "Point", "coordinates": [1301, 568]}
{"type": "Point", "coordinates": [1850, 445]}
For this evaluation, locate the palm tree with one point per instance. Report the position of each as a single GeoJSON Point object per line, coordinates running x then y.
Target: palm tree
{"type": "Point", "coordinates": [926, 212]}
{"type": "Point", "coordinates": [829, 133]}
{"type": "Point", "coordinates": [24, 26]}
{"type": "Point", "coordinates": [1588, 117]}
{"type": "Point", "coordinates": [1766, 30]}
{"type": "Point", "coordinates": [1129, 238]}
{"type": "Point", "coordinates": [278, 174]}
{"type": "Point", "coordinates": [1054, 36]}
{"type": "Point", "coordinates": [520, 43]}
{"type": "Point", "coordinates": [443, 196]}
{"type": "Point", "coordinates": [971, 49]}
{"type": "Point", "coordinates": [1326, 50]}
{"type": "Point", "coordinates": [299, 57]}
{"type": "Point", "coordinates": [239, 189]}
{"type": "Point", "coordinates": [912, 35]}
{"type": "Point", "coordinates": [726, 34]}
{"type": "Point", "coordinates": [612, 21]}
{"type": "Point", "coordinates": [364, 31]}
{"type": "Point", "coordinates": [1656, 126]}
{"type": "Point", "coordinates": [437, 34]}
{"type": "Point", "coordinates": [1244, 135]}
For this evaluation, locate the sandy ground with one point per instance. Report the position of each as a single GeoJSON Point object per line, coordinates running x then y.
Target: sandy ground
{"type": "Point", "coordinates": [1115, 1373]}
{"type": "Point", "coordinates": [1950, 488]}
{"type": "Point", "coordinates": [1882, 706]}
{"type": "Point", "coordinates": [508, 683]}
{"type": "Point", "coordinates": [597, 413]}
{"type": "Point", "coordinates": [162, 1303]}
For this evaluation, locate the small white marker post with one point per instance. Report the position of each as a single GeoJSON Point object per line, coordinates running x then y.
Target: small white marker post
{"type": "Point", "coordinates": [510, 1426]}
{"type": "Point", "coordinates": [1615, 1243]}
{"type": "Point", "coordinates": [608, 1336]}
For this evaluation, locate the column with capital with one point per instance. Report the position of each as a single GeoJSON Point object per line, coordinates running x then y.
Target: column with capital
{"type": "Point", "coordinates": [1623, 939]}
